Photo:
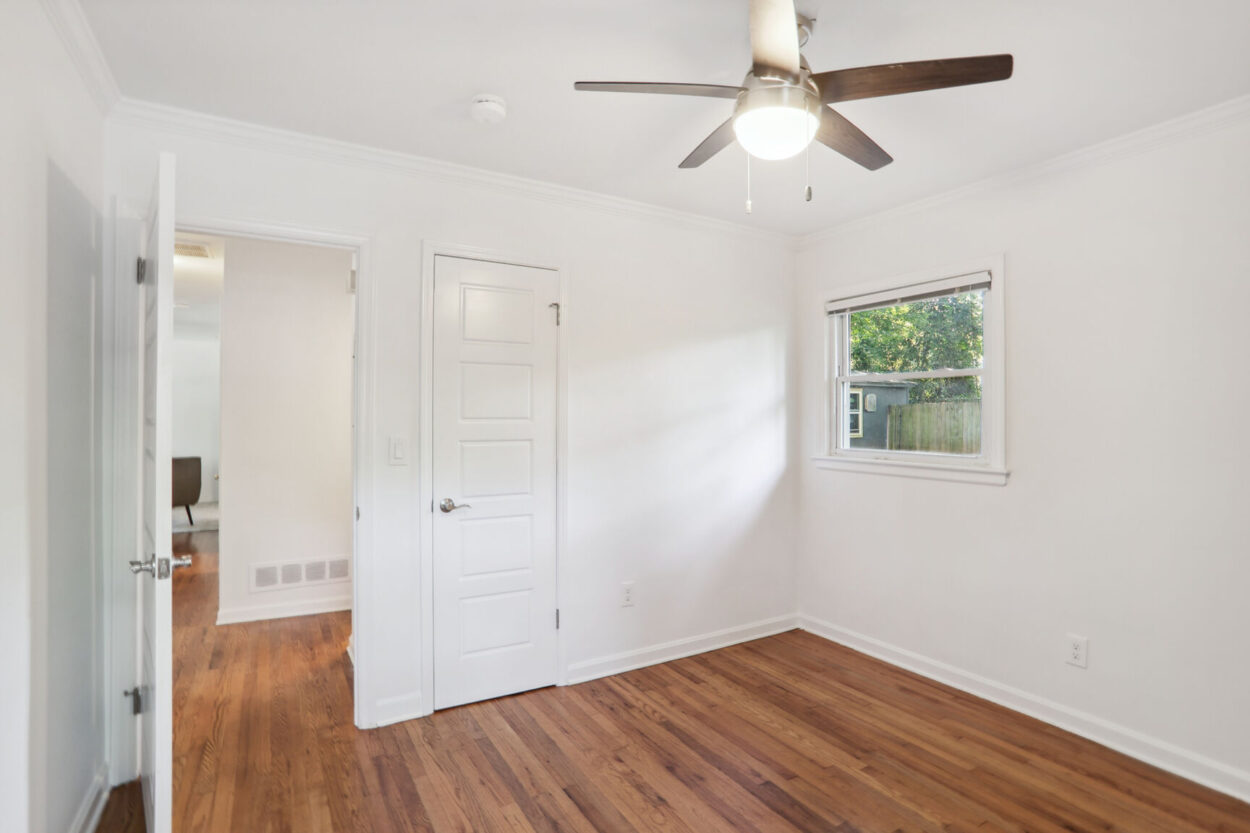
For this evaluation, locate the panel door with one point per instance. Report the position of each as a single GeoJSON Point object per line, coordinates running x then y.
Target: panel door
{"type": "Point", "coordinates": [156, 626]}
{"type": "Point", "coordinates": [494, 479]}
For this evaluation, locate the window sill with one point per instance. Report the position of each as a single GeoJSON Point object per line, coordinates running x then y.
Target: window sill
{"type": "Point", "coordinates": [922, 470]}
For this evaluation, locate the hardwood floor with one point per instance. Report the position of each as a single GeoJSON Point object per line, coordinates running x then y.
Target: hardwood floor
{"type": "Point", "coordinates": [788, 733]}
{"type": "Point", "coordinates": [123, 812]}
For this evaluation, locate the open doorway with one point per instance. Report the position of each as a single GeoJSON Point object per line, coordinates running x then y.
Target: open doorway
{"type": "Point", "coordinates": [262, 367]}
{"type": "Point", "coordinates": [199, 271]}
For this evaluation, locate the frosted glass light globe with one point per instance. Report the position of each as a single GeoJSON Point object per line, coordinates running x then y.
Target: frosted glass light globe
{"type": "Point", "coordinates": [775, 132]}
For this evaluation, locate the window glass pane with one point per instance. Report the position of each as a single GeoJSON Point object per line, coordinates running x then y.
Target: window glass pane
{"type": "Point", "coordinates": [854, 406]}
{"type": "Point", "coordinates": [933, 334]}
{"type": "Point", "coordinates": [939, 416]}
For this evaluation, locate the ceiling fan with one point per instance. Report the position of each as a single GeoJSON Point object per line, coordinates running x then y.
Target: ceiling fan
{"type": "Point", "coordinates": [782, 106]}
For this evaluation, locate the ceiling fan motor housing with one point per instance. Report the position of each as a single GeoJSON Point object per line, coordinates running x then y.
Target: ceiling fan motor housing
{"type": "Point", "coordinates": [777, 92]}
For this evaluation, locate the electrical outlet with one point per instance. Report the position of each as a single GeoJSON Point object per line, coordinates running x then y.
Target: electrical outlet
{"type": "Point", "coordinates": [1078, 651]}
{"type": "Point", "coordinates": [627, 594]}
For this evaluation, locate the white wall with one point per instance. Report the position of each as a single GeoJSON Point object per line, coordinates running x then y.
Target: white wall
{"type": "Point", "coordinates": [679, 365]}
{"type": "Point", "coordinates": [1128, 284]}
{"type": "Point", "coordinates": [196, 358]}
{"type": "Point", "coordinates": [51, 737]}
{"type": "Point", "coordinates": [287, 324]}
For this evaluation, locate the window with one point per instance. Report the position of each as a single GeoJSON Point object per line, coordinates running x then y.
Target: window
{"type": "Point", "coordinates": [915, 383]}
{"type": "Point", "coordinates": [854, 413]}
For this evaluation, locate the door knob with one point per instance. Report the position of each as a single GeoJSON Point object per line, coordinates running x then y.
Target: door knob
{"type": "Point", "coordinates": [449, 505]}
{"type": "Point", "coordinates": [148, 566]}
{"type": "Point", "coordinates": [160, 567]}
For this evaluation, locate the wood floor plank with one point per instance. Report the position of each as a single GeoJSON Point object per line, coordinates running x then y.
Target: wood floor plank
{"type": "Point", "coordinates": [781, 735]}
{"type": "Point", "coordinates": [598, 754]}
{"type": "Point", "coordinates": [123, 812]}
{"type": "Point", "coordinates": [729, 713]}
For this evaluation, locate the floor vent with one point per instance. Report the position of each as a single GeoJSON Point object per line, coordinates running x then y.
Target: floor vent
{"type": "Point", "coordinates": [287, 574]}
{"type": "Point", "coordinates": [264, 577]}
{"type": "Point", "coordinates": [292, 573]}
{"type": "Point", "coordinates": [186, 249]}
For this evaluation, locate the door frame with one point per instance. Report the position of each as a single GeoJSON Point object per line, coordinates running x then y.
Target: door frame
{"type": "Point", "coordinates": [429, 251]}
{"type": "Point", "coordinates": [363, 409]}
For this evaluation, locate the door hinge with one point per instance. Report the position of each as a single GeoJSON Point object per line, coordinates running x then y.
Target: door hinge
{"type": "Point", "coordinates": [557, 618]}
{"type": "Point", "coordinates": [141, 270]}
{"type": "Point", "coordinates": [357, 513]}
{"type": "Point", "coordinates": [136, 699]}
{"type": "Point", "coordinates": [555, 306]}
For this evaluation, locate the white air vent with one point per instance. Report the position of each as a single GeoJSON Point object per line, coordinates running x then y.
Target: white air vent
{"type": "Point", "coordinates": [192, 250]}
{"type": "Point", "coordinates": [289, 574]}
{"type": "Point", "coordinates": [265, 576]}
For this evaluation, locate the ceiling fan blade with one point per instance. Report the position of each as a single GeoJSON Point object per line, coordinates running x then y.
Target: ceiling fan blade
{"type": "Point", "coordinates": [775, 38]}
{"type": "Point", "coordinates": [702, 90]}
{"type": "Point", "coordinates": [913, 77]}
{"type": "Point", "coordinates": [720, 138]}
{"type": "Point", "coordinates": [847, 139]}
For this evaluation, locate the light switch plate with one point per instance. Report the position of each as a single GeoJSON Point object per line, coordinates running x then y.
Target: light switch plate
{"type": "Point", "coordinates": [397, 451]}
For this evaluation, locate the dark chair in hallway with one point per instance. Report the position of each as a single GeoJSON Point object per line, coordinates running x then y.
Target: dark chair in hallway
{"type": "Point", "coordinates": [186, 484]}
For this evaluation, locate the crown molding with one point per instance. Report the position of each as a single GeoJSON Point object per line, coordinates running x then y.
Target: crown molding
{"type": "Point", "coordinates": [151, 116]}
{"type": "Point", "coordinates": [70, 23]}
{"type": "Point", "coordinates": [1197, 123]}
{"type": "Point", "coordinates": [160, 117]}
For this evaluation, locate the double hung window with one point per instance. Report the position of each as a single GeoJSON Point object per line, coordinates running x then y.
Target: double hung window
{"type": "Point", "coordinates": [916, 376]}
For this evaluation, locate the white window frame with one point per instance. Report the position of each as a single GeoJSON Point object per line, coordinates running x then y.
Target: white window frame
{"type": "Point", "coordinates": [859, 431]}
{"type": "Point", "coordinates": [988, 467]}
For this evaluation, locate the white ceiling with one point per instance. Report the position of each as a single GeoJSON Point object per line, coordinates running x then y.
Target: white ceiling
{"type": "Point", "coordinates": [398, 74]}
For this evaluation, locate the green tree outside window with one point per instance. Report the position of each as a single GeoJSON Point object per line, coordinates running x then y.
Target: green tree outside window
{"type": "Point", "coordinates": [932, 334]}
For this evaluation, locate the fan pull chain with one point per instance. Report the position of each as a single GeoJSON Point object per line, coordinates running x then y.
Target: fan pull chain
{"type": "Point", "coordinates": [748, 183]}
{"type": "Point", "coordinates": [807, 192]}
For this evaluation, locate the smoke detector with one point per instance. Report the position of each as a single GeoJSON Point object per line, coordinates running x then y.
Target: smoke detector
{"type": "Point", "coordinates": [488, 109]}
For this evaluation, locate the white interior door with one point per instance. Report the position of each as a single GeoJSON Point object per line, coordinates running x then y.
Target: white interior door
{"type": "Point", "coordinates": [494, 461]}
{"type": "Point", "coordinates": [156, 635]}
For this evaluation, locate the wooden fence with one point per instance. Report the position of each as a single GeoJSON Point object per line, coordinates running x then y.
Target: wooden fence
{"type": "Point", "coordinates": [945, 427]}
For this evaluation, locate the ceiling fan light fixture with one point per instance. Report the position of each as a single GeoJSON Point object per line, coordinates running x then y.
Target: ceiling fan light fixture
{"type": "Point", "coordinates": [775, 123]}
{"type": "Point", "coordinates": [775, 133]}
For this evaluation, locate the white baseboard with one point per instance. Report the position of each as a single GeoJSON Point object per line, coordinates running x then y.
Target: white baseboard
{"type": "Point", "coordinates": [281, 610]}
{"type": "Point", "coordinates": [580, 672]}
{"type": "Point", "coordinates": [1183, 762]}
{"type": "Point", "coordinates": [93, 801]}
{"type": "Point", "coordinates": [351, 648]}
{"type": "Point", "coordinates": [397, 709]}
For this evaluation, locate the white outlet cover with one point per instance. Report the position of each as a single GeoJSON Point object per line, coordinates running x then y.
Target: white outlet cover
{"type": "Point", "coordinates": [1077, 651]}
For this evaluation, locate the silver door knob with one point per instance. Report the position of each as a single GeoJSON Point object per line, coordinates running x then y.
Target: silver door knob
{"type": "Point", "coordinates": [180, 561]}
{"type": "Point", "coordinates": [449, 505]}
{"type": "Point", "coordinates": [148, 566]}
